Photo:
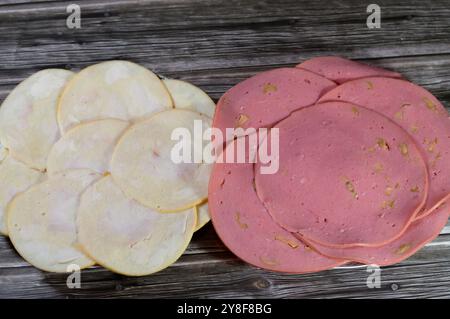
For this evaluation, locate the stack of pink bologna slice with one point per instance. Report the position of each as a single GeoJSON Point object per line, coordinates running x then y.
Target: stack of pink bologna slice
{"type": "Point", "coordinates": [363, 167]}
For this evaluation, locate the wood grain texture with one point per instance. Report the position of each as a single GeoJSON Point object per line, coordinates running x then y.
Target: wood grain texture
{"type": "Point", "coordinates": [215, 44]}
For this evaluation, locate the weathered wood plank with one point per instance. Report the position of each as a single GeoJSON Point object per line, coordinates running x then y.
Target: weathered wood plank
{"type": "Point", "coordinates": [180, 35]}
{"type": "Point", "coordinates": [233, 40]}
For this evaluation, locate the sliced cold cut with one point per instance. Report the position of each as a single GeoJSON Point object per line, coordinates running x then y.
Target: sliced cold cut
{"type": "Point", "coordinates": [15, 177]}
{"type": "Point", "coordinates": [3, 152]}
{"type": "Point", "coordinates": [114, 89]}
{"type": "Point", "coordinates": [341, 70]}
{"type": "Point", "coordinates": [348, 176]}
{"type": "Point", "coordinates": [144, 166]}
{"type": "Point", "coordinates": [202, 216]}
{"type": "Point", "coordinates": [41, 221]}
{"type": "Point", "coordinates": [28, 126]}
{"type": "Point", "coordinates": [126, 237]}
{"type": "Point", "coordinates": [88, 145]}
{"type": "Point", "coordinates": [418, 112]}
{"type": "Point", "coordinates": [246, 228]}
{"type": "Point", "coordinates": [268, 97]}
{"type": "Point", "coordinates": [418, 234]}
{"type": "Point", "coordinates": [187, 96]}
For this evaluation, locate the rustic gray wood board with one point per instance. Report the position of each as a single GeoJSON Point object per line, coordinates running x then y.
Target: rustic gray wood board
{"type": "Point", "coordinates": [216, 44]}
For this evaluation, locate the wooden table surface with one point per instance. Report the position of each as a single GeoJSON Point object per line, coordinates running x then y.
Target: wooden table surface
{"type": "Point", "coordinates": [215, 44]}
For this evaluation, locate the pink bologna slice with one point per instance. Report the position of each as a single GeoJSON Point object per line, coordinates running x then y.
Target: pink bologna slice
{"type": "Point", "coordinates": [246, 228]}
{"type": "Point", "coordinates": [418, 112]}
{"type": "Point", "coordinates": [266, 98]}
{"type": "Point", "coordinates": [418, 234]}
{"type": "Point", "coordinates": [341, 70]}
{"type": "Point", "coordinates": [348, 176]}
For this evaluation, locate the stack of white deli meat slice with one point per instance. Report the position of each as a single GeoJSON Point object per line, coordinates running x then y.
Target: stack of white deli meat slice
{"type": "Point", "coordinates": [89, 177]}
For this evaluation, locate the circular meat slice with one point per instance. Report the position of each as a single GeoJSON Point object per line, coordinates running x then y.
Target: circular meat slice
{"type": "Point", "coordinates": [41, 221]}
{"type": "Point", "coordinates": [358, 179]}
{"type": "Point", "coordinates": [246, 228]}
{"type": "Point", "coordinates": [148, 166]}
{"type": "Point", "coordinates": [3, 152]}
{"type": "Point", "coordinates": [266, 98]}
{"type": "Point", "coordinates": [15, 178]}
{"type": "Point", "coordinates": [418, 112]}
{"type": "Point", "coordinates": [188, 96]}
{"type": "Point", "coordinates": [202, 216]}
{"type": "Point", "coordinates": [28, 126]}
{"type": "Point", "coordinates": [126, 237]}
{"type": "Point", "coordinates": [418, 234]}
{"type": "Point", "coordinates": [88, 145]}
{"type": "Point", "coordinates": [341, 70]}
{"type": "Point", "coordinates": [113, 89]}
